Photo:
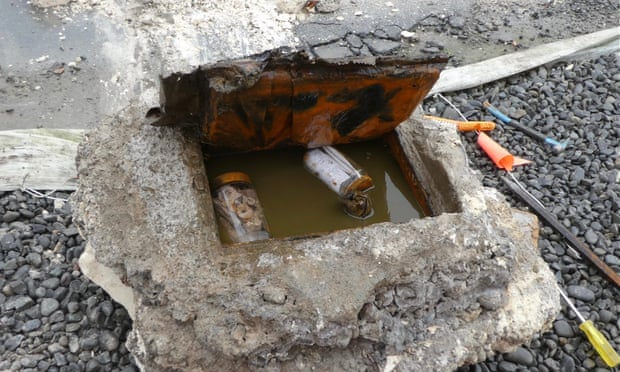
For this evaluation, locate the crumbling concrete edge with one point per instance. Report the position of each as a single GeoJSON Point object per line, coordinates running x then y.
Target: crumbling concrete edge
{"type": "Point", "coordinates": [128, 190]}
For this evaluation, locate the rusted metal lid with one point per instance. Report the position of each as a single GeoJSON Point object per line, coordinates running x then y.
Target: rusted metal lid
{"type": "Point", "coordinates": [363, 183]}
{"type": "Point", "coordinates": [230, 177]}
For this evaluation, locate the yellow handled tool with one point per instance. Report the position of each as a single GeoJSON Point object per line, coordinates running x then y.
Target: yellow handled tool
{"type": "Point", "coordinates": [600, 343]}
{"type": "Point", "coordinates": [465, 126]}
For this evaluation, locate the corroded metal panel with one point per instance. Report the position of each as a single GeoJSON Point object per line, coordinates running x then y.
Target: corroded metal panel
{"type": "Point", "coordinates": [277, 99]}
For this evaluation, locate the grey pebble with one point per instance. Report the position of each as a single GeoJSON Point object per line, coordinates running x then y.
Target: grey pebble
{"type": "Point", "coordinates": [44, 241]}
{"type": "Point", "coordinates": [520, 356]}
{"type": "Point", "coordinates": [59, 359]}
{"type": "Point", "coordinates": [31, 325]}
{"type": "Point", "coordinates": [108, 340]}
{"type": "Point", "coordinates": [10, 216]}
{"type": "Point", "coordinates": [48, 306]}
{"type": "Point", "coordinates": [13, 342]}
{"type": "Point", "coordinates": [89, 342]}
{"type": "Point", "coordinates": [93, 365]}
{"type": "Point", "coordinates": [28, 361]}
{"type": "Point", "coordinates": [57, 316]}
{"type": "Point", "coordinates": [605, 316]}
{"type": "Point", "coordinates": [7, 242]}
{"type": "Point", "coordinates": [71, 231]}
{"type": "Point", "coordinates": [567, 364]}
{"type": "Point", "coordinates": [34, 259]}
{"type": "Point", "coordinates": [580, 292]}
{"type": "Point", "coordinates": [72, 327]}
{"type": "Point", "coordinates": [563, 328]}
{"type": "Point", "coordinates": [19, 303]}
{"type": "Point", "coordinates": [74, 344]}
{"type": "Point", "coordinates": [591, 236]}
{"type": "Point", "coordinates": [51, 283]}
{"type": "Point", "coordinates": [72, 307]}
{"type": "Point", "coordinates": [613, 260]}
{"type": "Point", "coordinates": [507, 366]}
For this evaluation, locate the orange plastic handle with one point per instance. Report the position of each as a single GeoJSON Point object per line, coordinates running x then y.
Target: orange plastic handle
{"type": "Point", "coordinates": [465, 126]}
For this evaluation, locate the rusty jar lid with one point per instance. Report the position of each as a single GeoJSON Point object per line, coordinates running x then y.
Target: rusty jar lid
{"type": "Point", "coordinates": [363, 183]}
{"type": "Point", "coordinates": [230, 177]}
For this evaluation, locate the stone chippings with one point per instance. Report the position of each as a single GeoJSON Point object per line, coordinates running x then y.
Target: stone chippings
{"type": "Point", "coordinates": [52, 318]}
{"type": "Point", "coordinates": [579, 102]}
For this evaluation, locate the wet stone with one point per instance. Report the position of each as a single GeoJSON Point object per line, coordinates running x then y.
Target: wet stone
{"type": "Point", "coordinates": [520, 356]}
{"type": "Point", "coordinates": [563, 329]}
{"type": "Point", "coordinates": [507, 367]}
{"type": "Point", "coordinates": [51, 283]}
{"type": "Point", "coordinates": [19, 303]}
{"type": "Point", "coordinates": [591, 236]}
{"type": "Point", "coordinates": [44, 241]}
{"type": "Point", "coordinates": [7, 242]}
{"type": "Point", "coordinates": [13, 342]}
{"type": "Point", "coordinates": [108, 340]}
{"type": "Point", "coordinates": [612, 260]}
{"type": "Point", "coordinates": [581, 293]}
{"type": "Point", "coordinates": [10, 216]}
{"type": "Point", "coordinates": [57, 316]}
{"type": "Point", "coordinates": [31, 325]}
{"type": "Point", "coordinates": [89, 342]}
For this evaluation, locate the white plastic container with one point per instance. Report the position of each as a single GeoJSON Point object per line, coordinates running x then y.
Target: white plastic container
{"type": "Point", "coordinates": [344, 177]}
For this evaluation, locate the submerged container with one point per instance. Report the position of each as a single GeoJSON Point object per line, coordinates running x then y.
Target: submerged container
{"type": "Point", "coordinates": [238, 208]}
{"type": "Point", "coordinates": [344, 177]}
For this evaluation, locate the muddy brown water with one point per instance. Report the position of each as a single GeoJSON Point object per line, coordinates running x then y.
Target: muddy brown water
{"type": "Point", "coordinates": [296, 203]}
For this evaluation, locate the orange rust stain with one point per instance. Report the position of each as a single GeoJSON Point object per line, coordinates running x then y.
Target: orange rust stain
{"type": "Point", "coordinates": [264, 103]}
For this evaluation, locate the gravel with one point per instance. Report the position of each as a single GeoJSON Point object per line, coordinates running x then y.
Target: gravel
{"type": "Point", "coordinates": [53, 318]}
{"type": "Point", "coordinates": [578, 101]}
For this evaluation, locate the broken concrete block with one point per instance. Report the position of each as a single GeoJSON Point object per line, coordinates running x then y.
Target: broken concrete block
{"type": "Point", "coordinates": [429, 294]}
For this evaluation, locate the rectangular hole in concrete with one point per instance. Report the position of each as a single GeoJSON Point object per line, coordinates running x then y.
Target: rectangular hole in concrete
{"type": "Point", "coordinates": [297, 204]}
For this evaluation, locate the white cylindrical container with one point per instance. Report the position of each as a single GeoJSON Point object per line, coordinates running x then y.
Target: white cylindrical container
{"type": "Point", "coordinates": [343, 177]}
{"type": "Point", "coordinates": [238, 208]}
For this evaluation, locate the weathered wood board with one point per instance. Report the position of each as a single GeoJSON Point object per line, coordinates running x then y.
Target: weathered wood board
{"type": "Point", "coordinates": [501, 67]}
{"type": "Point", "coordinates": [40, 159]}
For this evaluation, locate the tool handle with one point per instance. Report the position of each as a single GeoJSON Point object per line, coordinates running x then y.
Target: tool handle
{"type": "Point", "coordinates": [498, 114]}
{"type": "Point", "coordinates": [600, 343]}
{"type": "Point", "coordinates": [466, 126]}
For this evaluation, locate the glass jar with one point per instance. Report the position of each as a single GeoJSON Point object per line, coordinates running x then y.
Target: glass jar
{"type": "Point", "coordinates": [238, 209]}
{"type": "Point", "coordinates": [344, 177]}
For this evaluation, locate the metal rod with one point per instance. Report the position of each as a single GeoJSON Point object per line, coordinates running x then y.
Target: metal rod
{"type": "Point", "coordinates": [572, 306]}
{"type": "Point", "coordinates": [611, 275]}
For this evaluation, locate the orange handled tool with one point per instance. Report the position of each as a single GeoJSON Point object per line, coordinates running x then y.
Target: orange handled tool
{"type": "Point", "coordinates": [465, 126]}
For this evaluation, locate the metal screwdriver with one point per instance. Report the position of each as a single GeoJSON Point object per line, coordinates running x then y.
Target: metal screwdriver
{"type": "Point", "coordinates": [596, 338]}
{"type": "Point", "coordinates": [556, 145]}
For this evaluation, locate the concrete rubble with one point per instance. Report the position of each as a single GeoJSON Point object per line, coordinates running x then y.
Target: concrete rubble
{"type": "Point", "coordinates": [430, 294]}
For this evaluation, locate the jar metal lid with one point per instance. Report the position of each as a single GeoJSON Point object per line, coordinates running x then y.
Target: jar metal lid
{"type": "Point", "coordinates": [230, 177]}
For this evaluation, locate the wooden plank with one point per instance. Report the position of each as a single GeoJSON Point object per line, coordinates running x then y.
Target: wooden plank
{"type": "Point", "coordinates": [40, 159]}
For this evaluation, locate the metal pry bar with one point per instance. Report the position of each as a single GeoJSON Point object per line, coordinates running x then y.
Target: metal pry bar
{"type": "Point", "coordinates": [611, 275]}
